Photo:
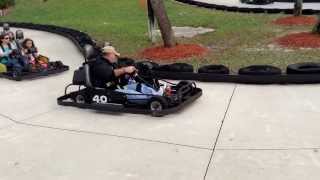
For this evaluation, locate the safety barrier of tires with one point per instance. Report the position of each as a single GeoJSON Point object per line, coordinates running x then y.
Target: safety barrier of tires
{"type": "Point", "coordinates": [301, 73]}
{"type": "Point", "coordinates": [246, 9]}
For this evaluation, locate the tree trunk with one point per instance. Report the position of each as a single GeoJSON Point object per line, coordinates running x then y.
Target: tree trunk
{"type": "Point", "coordinates": [163, 22]}
{"type": "Point", "coordinates": [298, 4]}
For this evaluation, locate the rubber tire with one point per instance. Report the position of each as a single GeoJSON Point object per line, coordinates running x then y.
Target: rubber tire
{"type": "Point", "coordinates": [165, 68]}
{"type": "Point", "coordinates": [183, 83]}
{"type": "Point", "coordinates": [146, 65]}
{"type": "Point", "coordinates": [304, 68]}
{"type": "Point", "coordinates": [78, 99]}
{"type": "Point", "coordinates": [214, 69]}
{"type": "Point", "coordinates": [258, 2]}
{"type": "Point", "coordinates": [181, 67]}
{"type": "Point", "coordinates": [264, 70]}
{"type": "Point", "coordinates": [176, 67]}
{"type": "Point", "coordinates": [124, 62]}
{"type": "Point", "coordinates": [162, 101]}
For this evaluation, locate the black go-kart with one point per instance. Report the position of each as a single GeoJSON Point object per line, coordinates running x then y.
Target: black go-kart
{"type": "Point", "coordinates": [54, 67]}
{"type": "Point", "coordinates": [103, 99]}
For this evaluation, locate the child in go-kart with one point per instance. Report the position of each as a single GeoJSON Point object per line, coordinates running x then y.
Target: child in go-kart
{"type": "Point", "coordinates": [106, 74]}
{"type": "Point", "coordinates": [30, 53]}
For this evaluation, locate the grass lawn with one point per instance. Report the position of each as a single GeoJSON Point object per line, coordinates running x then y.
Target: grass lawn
{"type": "Point", "coordinates": [239, 39]}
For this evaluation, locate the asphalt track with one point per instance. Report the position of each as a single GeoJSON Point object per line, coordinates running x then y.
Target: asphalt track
{"type": "Point", "coordinates": [232, 132]}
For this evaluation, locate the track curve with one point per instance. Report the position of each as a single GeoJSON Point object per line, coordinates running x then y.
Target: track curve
{"type": "Point", "coordinates": [40, 140]}
{"type": "Point", "coordinates": [27, 98]}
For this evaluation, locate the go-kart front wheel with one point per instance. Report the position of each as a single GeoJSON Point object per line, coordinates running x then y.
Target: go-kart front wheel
{"type": "Point", "coordinates": [80, 99]}
{"type": "Point", "coordinates": [156, 105]}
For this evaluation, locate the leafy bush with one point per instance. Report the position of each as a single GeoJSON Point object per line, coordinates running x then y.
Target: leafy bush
{"type": "Point", "coordinates": [6, 3]}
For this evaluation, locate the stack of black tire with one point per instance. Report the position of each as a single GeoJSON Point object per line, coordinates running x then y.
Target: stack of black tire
{"type": "Point", "coordinates": [254, 74]}
{"type": "Point", "coordinates": [257, 2]}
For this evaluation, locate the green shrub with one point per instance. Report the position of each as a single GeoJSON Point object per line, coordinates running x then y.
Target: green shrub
{"type": "Point", "coordinates": [6, 3]}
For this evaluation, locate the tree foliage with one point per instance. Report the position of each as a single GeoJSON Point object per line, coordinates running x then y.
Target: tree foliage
{"type": "Point", "coordinates": [6, 3]}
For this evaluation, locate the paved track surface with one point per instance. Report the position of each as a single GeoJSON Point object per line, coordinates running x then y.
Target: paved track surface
{"type": "Point", "coordinates": [232, 132]}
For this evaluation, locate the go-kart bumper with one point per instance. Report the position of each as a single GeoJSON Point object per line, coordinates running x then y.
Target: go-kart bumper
{"type": "Point", "coordinates": [34, 75]}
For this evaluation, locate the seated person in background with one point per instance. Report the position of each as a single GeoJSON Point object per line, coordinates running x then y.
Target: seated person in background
{"type": "Point", "coordinates": [31, 55]}
{"type": "Point", "coordinates": [106, 74]}
{"type": "Point", "coordinates": [8, 55]}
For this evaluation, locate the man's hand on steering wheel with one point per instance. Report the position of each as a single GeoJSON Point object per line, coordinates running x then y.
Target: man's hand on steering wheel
{"type": "Point", "coordinates": [131, 70]}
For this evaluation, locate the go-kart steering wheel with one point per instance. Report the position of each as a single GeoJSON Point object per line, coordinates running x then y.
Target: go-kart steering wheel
{"type": "Point", "coordinates": [134, 74]}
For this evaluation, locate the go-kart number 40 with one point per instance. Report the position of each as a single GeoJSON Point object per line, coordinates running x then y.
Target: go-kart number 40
{"type": "Point", "coordinates": [100, 99]}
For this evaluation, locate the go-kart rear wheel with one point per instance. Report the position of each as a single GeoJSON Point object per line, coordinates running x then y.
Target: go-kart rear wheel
{"type": "Point", "coordinates": [156, 105]}
{"type": "Point", "coordinates": [16, 75]}
{"type": "Point", "coordinates": [80, 99]}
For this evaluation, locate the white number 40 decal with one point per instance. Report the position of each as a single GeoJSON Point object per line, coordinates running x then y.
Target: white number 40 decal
{"type": "Point", "coordinates": [100, 99]}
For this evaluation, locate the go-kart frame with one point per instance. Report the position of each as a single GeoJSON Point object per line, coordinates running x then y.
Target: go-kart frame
{"type": "Point", "coordinates": [34, 75]}
{"type": "Point", "coordinates": [70, 99]}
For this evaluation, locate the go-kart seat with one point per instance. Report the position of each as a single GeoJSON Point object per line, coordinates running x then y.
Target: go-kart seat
{"type": "Point", "coordinates": [6, 27]}
{"type": "Point", "coordinates": [19, 35]}
{"type": "Point", "coordinates": [82, 76]}
{"type": "Point", "coordinates": [19, 38]}
{"type": "Point", "coordinates": [88, 82]}
{"type": "Point", "coordinates": [89, 52]}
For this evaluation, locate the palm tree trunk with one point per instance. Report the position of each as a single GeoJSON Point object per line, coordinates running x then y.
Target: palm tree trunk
{"type": "Point", "coordinates": [163, 22]}
{"type": "Point", "coordinates": [297, 11]}
{"type": "Point", "coordinates": [316, 28]}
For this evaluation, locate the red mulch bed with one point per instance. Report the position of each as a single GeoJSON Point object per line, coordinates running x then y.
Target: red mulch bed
{"type": "Point", "coordinates": [180, 51]}
{"type": "Point", "coordinates": [300, 40]}
{"type": "Point", "coordinates": [296, 20]}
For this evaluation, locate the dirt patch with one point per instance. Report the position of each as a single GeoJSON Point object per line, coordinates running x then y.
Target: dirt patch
{"type": "Point", "coordinates": [296, 21]}
{"type": "Point", "coordinates": [300, 40]}
{"type": "Point", "coordinates": [188, 32]}
{"type": "Point", "coordinates": [181, 51]}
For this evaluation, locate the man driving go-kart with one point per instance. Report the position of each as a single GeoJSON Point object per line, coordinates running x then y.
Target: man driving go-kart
{"type": "Point", "coordinates": [107, 74]}
{"type": "Point", "coordinates": [106, 83]}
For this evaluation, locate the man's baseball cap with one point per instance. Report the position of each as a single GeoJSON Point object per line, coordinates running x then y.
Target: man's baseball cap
{"type": "Point", "coordinates": [110, 49]}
